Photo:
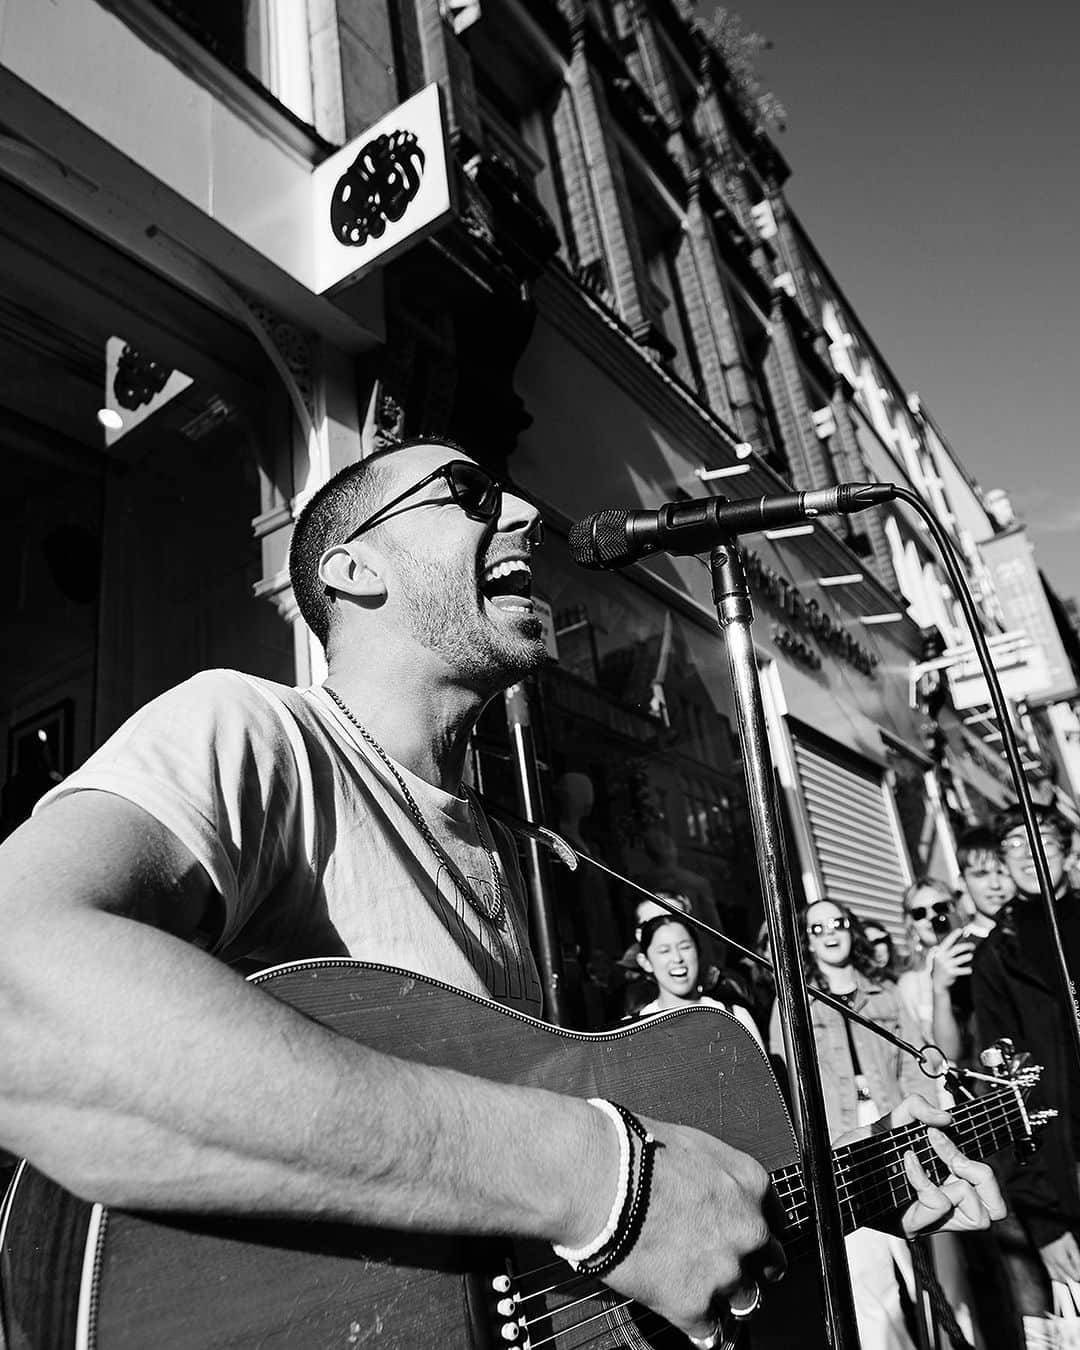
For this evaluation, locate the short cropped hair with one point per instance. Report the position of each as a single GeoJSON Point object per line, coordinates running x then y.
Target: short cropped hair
{"type": "Point", "coordinates": [336, 508]}
{"type": "Point", "coordinates": [1045, 817]}
{"type": "Point", "coordinates": [977, 842]}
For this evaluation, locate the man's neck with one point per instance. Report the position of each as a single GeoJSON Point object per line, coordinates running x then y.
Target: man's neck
{"type": "Point", "coordinates": [423, 727]}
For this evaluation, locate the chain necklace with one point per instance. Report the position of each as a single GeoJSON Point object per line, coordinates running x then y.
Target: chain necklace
{"type": "Point", "coordinates": [493, 912]}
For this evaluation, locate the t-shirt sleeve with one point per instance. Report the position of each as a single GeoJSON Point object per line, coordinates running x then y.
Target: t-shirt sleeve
{"type": "Point", "coordinates": [776, 1032]}
{"type": "Point", "coordinates": [743, 1014]}
{"type": "Point", "coordinates": [215, 760]}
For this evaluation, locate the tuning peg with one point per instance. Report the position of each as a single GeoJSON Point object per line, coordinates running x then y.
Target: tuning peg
{"type": "Point", "coordinates": [998, 1058]}
{"type": "Point", "coordinates": [992, 1058]}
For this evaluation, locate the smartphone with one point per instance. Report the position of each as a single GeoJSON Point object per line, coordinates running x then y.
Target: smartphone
{"type": "Point", "coordinates": [948, 922]}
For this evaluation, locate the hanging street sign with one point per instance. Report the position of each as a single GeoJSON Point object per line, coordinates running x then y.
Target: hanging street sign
{"type": "Point", "coordinates": [386, 190]}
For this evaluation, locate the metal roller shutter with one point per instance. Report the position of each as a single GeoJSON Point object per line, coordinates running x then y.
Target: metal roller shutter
{"type": "Point", "coordinates": [852, 823]}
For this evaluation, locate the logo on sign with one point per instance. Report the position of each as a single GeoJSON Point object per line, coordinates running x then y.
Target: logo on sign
{"type": "Point", "coordinates": [377, 187]}
{"type": "Point", "coordinates": [382, 193]}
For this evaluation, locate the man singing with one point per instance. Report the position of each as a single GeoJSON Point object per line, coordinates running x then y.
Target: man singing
{"type": "Point", "coordinates": [233, 823]}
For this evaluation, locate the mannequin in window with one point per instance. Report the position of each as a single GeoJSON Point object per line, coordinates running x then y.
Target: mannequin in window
{"type": "Point", "coordinates": [587, 922]}
{"type": "Point", "coordinates": [667, 874]}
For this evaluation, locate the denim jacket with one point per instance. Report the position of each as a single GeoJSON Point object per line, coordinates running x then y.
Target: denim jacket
{"type": "Point", "coordinates": [890, 1073]}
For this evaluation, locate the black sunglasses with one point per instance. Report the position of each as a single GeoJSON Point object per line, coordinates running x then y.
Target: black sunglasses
{"type": "Point", "coordinates": [838, 925]}
{"type": "Point", "coordinates": [939, 907]}
{"type": "Point", "coordinates": [471, 487]}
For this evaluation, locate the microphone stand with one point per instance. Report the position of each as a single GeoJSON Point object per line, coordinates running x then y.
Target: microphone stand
{"type": "Point", "coordinates": [734, 612]}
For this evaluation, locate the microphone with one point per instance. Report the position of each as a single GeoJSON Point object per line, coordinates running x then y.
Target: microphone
{"type": "Point", "coordinates": [614, 538]}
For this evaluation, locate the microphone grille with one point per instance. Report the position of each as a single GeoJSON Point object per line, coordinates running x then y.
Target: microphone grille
{"type": "Point", "coordinates": [599, 539]}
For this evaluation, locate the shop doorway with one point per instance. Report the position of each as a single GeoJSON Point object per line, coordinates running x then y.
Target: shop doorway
{"type": "Point", "coordinates": [129, 555]}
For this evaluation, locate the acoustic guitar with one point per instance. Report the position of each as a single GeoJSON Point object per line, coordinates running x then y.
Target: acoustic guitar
{"type": "Point", "coordinates": [77, 1276]}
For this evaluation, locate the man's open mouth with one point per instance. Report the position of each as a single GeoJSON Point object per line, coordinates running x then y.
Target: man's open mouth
{"type": "Point", "coordinates": [508, 585]}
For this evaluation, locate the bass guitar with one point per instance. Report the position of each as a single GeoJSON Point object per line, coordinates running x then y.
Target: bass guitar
{"type": "Point", "coordinates": [77, 1276]}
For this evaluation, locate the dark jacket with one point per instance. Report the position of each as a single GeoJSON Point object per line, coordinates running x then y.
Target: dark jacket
{"type": "Point", "coordinates": [1013, 997]}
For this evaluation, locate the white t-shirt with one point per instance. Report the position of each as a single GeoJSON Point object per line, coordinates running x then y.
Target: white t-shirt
{"type": "Point", "coordinates": [308, 840]}
{"type": "Point", "coordinates": [739, 1013]}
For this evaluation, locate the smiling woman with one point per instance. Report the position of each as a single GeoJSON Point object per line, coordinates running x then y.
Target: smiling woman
{"type": "Point", "coordinates": [669, 953]}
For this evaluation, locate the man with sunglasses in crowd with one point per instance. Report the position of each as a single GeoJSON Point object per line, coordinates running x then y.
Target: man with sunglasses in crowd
{"type": "Point", "coordinates": [1017, 995]}
{"type": "Point", "coordinates": [233, 822]}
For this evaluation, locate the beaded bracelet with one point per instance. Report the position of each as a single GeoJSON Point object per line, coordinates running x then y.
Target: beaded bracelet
{"type": "Point", "coordinates": [627, 1217]}
{"type": "Point", "coordinates": [574, 1256]}
{"type": "Point", "coordinates": [632, 1219]}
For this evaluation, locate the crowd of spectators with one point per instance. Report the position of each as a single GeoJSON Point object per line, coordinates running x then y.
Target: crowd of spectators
{"type": "Point", "coordinates": [964, 967]}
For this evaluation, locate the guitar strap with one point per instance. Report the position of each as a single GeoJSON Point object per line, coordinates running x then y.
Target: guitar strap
{"type": "Point", "coordinates": [525, 829]}
{"type": "Point", "coordinates": [862, 1087]}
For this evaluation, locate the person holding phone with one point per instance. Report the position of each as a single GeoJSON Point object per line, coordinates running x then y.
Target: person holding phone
{"type": "Point", "coordinates": [940, 955]}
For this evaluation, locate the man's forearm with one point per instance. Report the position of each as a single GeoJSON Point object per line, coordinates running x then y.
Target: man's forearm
{"type": "Point", "coordinates": [138, 1071]}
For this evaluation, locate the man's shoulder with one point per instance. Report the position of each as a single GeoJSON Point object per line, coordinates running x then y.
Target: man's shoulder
{"type": "Point", "coordinates": [1008, 938]}
{"type": "Point", "coordinates": [987, 948]}
{"type": "Point", "coordinates": [214, 694]}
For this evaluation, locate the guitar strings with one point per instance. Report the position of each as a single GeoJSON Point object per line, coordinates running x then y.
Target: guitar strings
{"type": "Point", "coordinates": [646, 1328]}
{"type": "Point", "coordinates": [883, 1195]}
{"type": "Point", "coordinates": [895, 1185]}
{"type": "Point", "coordinates": [888, 1189]}
{"type": "Point", "coordinates": [576, 1326]}
{"type": "Point", "coordinates": [787, 1181]}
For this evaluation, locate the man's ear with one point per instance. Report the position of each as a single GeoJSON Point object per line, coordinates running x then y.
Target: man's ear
{"type": "Point", "coordinates": [353, 569]}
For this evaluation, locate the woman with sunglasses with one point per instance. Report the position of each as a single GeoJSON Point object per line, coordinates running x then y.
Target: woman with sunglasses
{"type": "Point", "coordinates": [862, 1068]}
{"type": "Point", "coordinates": [940, 956]}
{"type": "Point", "coordinates": [862, 1077]}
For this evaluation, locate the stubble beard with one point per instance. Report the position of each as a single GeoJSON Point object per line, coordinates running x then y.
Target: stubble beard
{"type": "Point", "coordinates": [446, 619]}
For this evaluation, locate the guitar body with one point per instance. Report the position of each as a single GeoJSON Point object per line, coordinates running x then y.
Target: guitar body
{"type": "Point", "coordinates": [80, 1277]}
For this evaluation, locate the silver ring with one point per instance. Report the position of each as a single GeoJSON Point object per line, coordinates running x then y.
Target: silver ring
{"type": "Point", "coordinates": [709, 1342]}
{"type": "Point", "coordinates": [751, 1308]}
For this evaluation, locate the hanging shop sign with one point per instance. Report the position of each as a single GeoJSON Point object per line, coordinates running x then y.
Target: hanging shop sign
{"type": "Point", "coordinates": [808, 616]}
{"type": "Point", "coordinates": [136, 387]}
{"type": "Point", "coordinates": [383, 192]}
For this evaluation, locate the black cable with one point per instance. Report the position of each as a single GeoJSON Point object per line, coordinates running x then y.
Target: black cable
{"type": "Point", "coordinates": [1012, 750]}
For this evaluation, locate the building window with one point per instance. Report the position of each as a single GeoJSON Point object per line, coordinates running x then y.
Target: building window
{"type": "Point", "coordinates": [755, 410]}
{"type": "Point", "coordinates": [660, 237]}
{"type": "Point", "coordinates": [517, 86]}
{"type": "Point", "coordinates": [266, 40]}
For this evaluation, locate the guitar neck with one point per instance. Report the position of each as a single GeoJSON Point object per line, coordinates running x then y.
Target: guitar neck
{"type": "Point", "coordinates": [869, 1173]}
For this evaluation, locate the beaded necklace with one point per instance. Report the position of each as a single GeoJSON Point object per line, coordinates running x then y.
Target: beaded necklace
{"type": "Point", "coordinates": [493, 912]}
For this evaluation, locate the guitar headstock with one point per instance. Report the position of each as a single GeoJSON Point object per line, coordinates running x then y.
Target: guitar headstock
{"type": "Point", "coordinates": [1008, 1068]}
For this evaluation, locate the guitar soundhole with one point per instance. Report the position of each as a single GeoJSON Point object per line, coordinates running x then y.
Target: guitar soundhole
{"type": "Point", "coordinates": [539, 1303]}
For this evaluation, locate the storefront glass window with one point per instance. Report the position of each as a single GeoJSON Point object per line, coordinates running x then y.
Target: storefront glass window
{"type": "Point", "coordinates": [641, 770]}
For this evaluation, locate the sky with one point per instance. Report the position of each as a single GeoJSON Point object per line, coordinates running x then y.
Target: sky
{"type": "Point", "coordinates": [935, 155]}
